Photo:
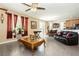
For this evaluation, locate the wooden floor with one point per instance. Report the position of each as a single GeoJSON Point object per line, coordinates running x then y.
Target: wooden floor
{"type": "Point", "coordinates": [53, 48]}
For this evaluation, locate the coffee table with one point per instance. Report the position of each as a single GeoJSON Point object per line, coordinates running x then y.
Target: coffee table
{"type": "Point", "coordinates": [32, 44]}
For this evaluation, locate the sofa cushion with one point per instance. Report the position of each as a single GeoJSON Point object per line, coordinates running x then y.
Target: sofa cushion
{"type": "Point", "coordinates": [65, 32]}
{"type": "Point", "coordinates": [59, 33]}
{"type": "Point", "coordinates": [69, 35]}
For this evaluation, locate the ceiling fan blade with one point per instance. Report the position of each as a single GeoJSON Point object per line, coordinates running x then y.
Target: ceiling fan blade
{"type": "Point", "coordinates": [41, 8]}
{"type": "Point", "coordinates": [26, 4]}
{"type": "Point", "coordinates": [27, 9]}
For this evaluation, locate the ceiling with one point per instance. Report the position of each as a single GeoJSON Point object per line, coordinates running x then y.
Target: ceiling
{"type": "Point", "coordinates": [54, 11]}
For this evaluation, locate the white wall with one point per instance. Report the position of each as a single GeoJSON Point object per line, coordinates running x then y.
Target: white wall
{"type": "Point", "coordinates": [50, 25]}
{"type": "Point", "coordinates": [46, 27]}
{"type": "Point", "coordinates": [61, 25]}
{"type": "Point", "coordinates": [3, 26]}
{"type": "Point", "coordinates": [42, 28]}
{"type": "Point", "coordinates": [30, 31]}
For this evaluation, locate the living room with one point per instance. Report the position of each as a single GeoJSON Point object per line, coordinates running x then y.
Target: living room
{"type": "Point", "coordinates": [56, 24]}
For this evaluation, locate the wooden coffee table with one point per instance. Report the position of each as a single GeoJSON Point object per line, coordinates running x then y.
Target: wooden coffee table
{"type": "Point", "coordinates": [32, 44]}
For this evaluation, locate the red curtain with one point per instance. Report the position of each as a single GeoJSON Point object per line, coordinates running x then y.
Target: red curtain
{"type": "Point", "coordinates": [15, 20]}
{"type": "Point", "coordinates": [22, 20]}
{"type": "Point", "coordinates": [26, 26]}
{"type": "Point", "coordinates": [9, 25]}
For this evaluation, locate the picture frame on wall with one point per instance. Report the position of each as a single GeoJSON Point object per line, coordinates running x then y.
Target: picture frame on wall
{"type": "Point", "coordinates": [33, 24]}
{"type": "Point", "coordinates": [56, 25]}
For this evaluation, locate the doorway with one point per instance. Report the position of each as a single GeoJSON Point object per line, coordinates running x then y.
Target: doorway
{"type": "Point", "coordinates": [42, 28]}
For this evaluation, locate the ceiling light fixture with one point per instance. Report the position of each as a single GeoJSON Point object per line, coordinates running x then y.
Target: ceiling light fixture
{"type": "Point", "coordinates": [34, 6]}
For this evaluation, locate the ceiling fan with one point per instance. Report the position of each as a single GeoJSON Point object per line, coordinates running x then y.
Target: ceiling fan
{"type": "Point", "coordinates": [33, 7]}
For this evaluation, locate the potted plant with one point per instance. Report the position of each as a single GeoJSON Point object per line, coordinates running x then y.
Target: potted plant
{"type": "Point", "coordinates": [13, 33]}
{"type": "Point", "coordinates": [22, 30]}
{"type": "Point", "coordinates": [19, 30]}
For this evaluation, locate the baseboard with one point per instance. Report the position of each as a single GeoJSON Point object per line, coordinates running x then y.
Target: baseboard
{"type": "Point", "coordinates": [8, 41]}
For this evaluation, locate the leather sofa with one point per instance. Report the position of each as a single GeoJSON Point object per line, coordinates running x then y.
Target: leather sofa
{"type": "Point", "coordinates": [67, 37]}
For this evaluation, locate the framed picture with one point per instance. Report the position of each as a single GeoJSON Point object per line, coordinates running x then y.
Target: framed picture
{"type": "Point", "coordinates": [56, 25]}
{"type": "Point", "coordinates": [33, 24]}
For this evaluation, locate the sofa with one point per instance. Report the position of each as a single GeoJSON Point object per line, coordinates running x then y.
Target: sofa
{"type": "Point", "coordinates": [67, 37]}
{"type": "Point", "coordinates": [52, 32]}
